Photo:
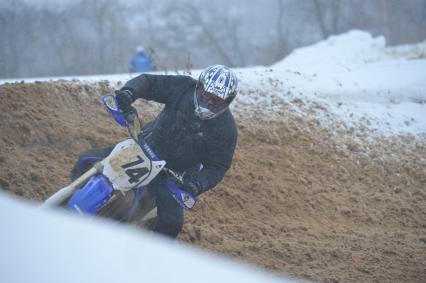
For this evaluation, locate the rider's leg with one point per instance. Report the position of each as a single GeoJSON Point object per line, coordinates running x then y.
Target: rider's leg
{"type": "Point", "coordinates": [170, 213]}
{"type": "Point", "coordinates": [88, 158]}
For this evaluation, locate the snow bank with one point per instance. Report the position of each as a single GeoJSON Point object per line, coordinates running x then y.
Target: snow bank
{"type": "Point", "coordinates": [357, 66]}
{"type": "Point", "coordinates": [341, 51]}
{"type": "Point", "coordinates": [49, 246]}
{"type": "Point", "coordinates": [355, 77]}
{"type": "Point", "coordinates": [345, 51]}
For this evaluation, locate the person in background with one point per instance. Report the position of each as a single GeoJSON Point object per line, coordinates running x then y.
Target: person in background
{"type": "Point", "coordinates": [141, 61]}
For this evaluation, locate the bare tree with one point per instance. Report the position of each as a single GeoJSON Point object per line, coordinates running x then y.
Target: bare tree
{"type": "Point", "coordinates": [93, 37]}
{"type": "Point", "coordinates": [423, 20]}
{"type": "Point", "coordinates": [327, 14]}
{"type": "Point", "coordinates": [385, 17]}
{"type": "Point", "coordinates": [282, 44]}
{"type": "Point", "coordinates": [10, 38]}
{"type": "Point", "coordinates": [235, 38]}
{"type": "Point", "coordinates": [208, 32]}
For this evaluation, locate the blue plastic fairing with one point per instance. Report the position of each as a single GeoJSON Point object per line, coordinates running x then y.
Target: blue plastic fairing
{"type": "Point", "coordinates": [90, 198]}
{"type": "Point", "coordinates": [111, 105]}
{"type": "Point", "coordinates": [185, 199]}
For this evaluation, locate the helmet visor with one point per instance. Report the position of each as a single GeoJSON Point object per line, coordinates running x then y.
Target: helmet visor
{"type": "Point", "coordinates": [208, 97]}
{"type": "Point", "coordinates": [208, 105]}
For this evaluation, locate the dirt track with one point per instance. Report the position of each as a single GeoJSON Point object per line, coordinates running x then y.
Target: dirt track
{"type": "Point", "coordinates": [295, 200]}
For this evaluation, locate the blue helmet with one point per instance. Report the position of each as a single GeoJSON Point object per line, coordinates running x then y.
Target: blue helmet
{"type": "Point", "coordinates": [215, 90]}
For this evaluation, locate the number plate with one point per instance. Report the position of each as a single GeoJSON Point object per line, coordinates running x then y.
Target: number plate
{"type": "Point", "coordinates": [127, 166]}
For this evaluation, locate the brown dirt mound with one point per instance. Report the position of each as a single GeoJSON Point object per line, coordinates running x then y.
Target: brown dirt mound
{"type": "Point", "coordinates": [295, 200]}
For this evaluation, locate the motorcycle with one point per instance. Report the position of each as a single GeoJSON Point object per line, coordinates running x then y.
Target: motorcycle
{"type": "Point", "coordinates": [115, 187]}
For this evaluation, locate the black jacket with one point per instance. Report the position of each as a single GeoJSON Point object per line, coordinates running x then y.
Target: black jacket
{"type": "Point", "coordinates": [179, 136]}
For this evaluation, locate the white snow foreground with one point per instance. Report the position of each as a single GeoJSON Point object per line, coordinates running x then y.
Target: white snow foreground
{"type": "Point", "coordinates": [52, 246]}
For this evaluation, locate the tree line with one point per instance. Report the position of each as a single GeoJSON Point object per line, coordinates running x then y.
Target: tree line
{"type": "Point", "coordinates": [95, 37]}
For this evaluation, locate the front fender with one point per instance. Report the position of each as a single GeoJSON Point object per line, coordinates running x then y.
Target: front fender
{"type": "Point", "coordinates": [92, 196]}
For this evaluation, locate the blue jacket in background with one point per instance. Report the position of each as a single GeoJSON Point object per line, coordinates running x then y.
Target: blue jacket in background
{"type": "Point", "coordinates": [141, 62]}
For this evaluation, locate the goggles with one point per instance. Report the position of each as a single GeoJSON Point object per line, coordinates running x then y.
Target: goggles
{"type": "Point", "coordinates": [208, 97]}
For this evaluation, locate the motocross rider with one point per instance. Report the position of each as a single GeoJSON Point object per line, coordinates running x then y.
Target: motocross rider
{"type": "Point", "coordinates": [195, 127]}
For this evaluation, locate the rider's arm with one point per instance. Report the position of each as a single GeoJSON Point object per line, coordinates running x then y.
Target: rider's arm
{"type": "Point", "coordinates": [159, 88]}
{"type": "Point", "coordinates": [217, 161]}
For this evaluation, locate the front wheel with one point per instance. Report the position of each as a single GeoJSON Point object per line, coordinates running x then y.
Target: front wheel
{"type": "Point", "coordinates": [145, 213]}
{"type": "Point", "coordinates": [136, 207]}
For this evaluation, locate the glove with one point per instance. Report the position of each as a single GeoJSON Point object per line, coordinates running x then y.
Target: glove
{"type": "Point", "coordinates": [130, 113]}
{"type": "Point", "coordinates": [124, 99]}
{"type": "Point", "coordinates": [192, 186]}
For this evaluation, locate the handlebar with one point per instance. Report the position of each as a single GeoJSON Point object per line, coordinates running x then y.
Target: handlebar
{"type": "Point", "coordinates": [130, 119]}
{"type": "Point", "coordinates": [133, 123]}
